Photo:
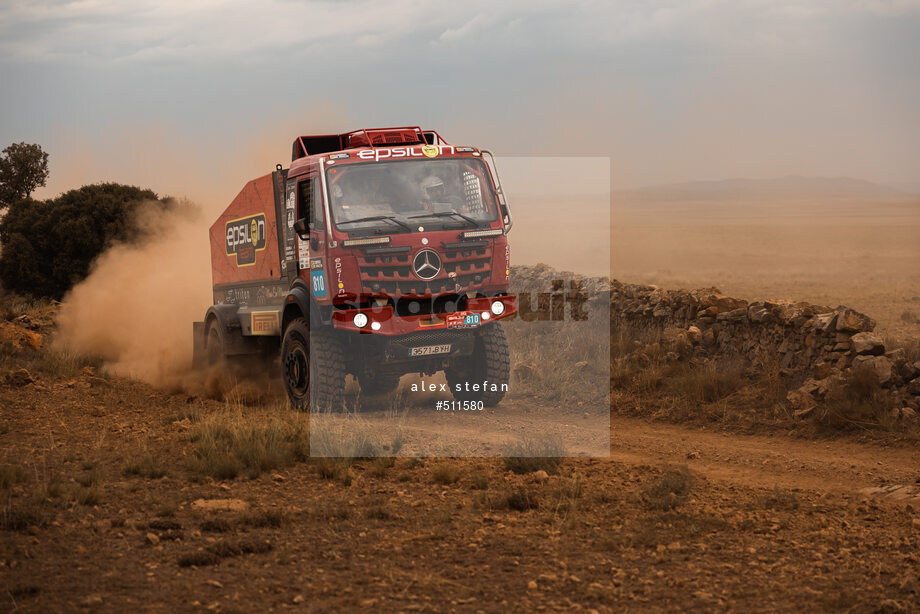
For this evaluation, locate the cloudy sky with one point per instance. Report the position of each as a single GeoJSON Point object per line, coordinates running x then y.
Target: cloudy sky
{"type": "Point", "coordinates": [193, 97]}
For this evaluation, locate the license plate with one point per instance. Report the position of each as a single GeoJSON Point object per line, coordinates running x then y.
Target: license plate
{"type": "Point", "coordinates": [428, 350]}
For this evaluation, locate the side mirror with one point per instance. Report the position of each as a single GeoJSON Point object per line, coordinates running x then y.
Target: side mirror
{"type": "Point", "coordinates": [301, 227]}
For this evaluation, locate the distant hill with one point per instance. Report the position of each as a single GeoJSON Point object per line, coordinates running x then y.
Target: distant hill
{"type": "Point", "coordinates": [777, 189]}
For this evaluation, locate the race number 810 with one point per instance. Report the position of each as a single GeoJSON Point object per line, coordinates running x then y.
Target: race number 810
{"type": "Point", "coordinates": [319, 283]}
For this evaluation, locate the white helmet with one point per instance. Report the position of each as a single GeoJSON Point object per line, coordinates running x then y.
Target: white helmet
{"type": "Point", "coordinates": [432, 181]}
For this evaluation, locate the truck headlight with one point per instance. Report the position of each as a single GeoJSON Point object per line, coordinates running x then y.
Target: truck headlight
{"type": "Point", "coordinates": [360, 320]}
{"type": "Point", "coordinates": [498, 308]}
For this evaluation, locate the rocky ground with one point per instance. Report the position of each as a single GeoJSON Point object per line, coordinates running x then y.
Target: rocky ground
{"type": "Point", "coordinates": [115, 495]}
{"type": "Point", "coordinates": [106, 507]}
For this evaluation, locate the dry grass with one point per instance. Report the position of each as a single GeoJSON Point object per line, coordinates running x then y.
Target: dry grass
{"type": "Point", "coordinates": [445, 472]}
{"type": "Point", "coordinates": [10, 475]}
{"type": "Point", "coordinates": [577, 373]}
{"type": "Point", "coordinates": [858, 403]}
{"type": "Point", "coordinates": [146, 466]}
{"type": "Point", "coordinates": [532, 454]}
{"type": "Point", "coordinates": [709, 382]}
{"type": "Point", "coordinates": [381, 466]}
{"type": "Point", "coordinates": [223, 549]}
{"type": "Point", "coordinates": [234, 443]}
{"type": "Point", "coordinates": [669, 490]}
{"type": "Point", "coordinates": [479, 480]}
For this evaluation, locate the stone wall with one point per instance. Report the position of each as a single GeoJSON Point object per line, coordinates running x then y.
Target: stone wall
{"type": "Point", "coordinates": [815, 347]}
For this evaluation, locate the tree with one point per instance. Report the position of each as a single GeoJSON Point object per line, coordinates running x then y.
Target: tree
{"type": "Point", "coordinates": [23, 167]}
{"type": "Point", "coordinates": [48, 246]}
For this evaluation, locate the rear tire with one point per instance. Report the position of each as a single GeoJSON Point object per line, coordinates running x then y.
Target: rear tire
{"type": "Point", "coordinates": [489, 362]}
{"type": "Point", "coordinates": [312, 367]}
{"type": "Point", "coordinates": [214, 343]}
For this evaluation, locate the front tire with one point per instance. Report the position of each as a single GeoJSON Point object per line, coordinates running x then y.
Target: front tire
{"type": "Point", "coordinates": [312, 367]}
{"type": "Point", "coordinates": [488, 363]}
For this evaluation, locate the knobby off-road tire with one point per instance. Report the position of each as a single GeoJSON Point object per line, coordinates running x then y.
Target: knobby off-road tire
{"type": "Point", "coordinates": [313, 368]}
{"type": "Point", "coordinates": [215, 346]}
{"type": "Point", "coordinates": [489, 362]}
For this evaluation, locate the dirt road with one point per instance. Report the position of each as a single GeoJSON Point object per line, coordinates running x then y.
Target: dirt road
{"type": "Point", "coordinates": [837, 465]}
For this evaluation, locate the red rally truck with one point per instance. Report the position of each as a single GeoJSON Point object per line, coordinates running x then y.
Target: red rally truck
{"type": "Point", "coordinates": [379, 252]}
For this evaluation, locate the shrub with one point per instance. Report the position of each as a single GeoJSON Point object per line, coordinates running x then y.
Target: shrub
{"type": "Point", "coordinates": [520, 499]}
{"type": "Point", "coordinates": [48, 246]}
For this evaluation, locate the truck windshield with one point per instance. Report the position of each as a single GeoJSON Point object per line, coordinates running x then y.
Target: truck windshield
{"type": "Point", "coordinates": [445, 193]}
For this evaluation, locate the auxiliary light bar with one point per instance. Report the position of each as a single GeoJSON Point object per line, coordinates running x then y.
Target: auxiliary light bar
{"type": "Point", "coordinates": [475, 234]}
{"type": "Point", "coordinates": [370, 241]}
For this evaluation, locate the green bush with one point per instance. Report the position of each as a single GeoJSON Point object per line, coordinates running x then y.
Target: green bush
{"type": "Point", "coordinates": [48, 246]}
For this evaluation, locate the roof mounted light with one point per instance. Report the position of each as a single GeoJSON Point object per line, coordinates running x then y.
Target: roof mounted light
{"type": "Point", "coordinates": [369, 241]}
{"type": "Point", "coordinates": [475, 234]}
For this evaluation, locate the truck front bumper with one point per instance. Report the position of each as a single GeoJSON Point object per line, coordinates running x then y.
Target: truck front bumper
{"type": "Point", "coordinates": [383, 320]}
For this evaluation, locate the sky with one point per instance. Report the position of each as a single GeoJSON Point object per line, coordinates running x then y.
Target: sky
{"type": "Point", "coordinates": [193, 98]}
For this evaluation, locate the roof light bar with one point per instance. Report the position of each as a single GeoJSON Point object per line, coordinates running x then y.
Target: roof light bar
{"type": "Point", "coordinates": [370, 241]}
{"type": "Point", "coordinates": [475, 234]}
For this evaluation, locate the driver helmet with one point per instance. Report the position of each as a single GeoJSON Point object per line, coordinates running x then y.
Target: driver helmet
{"type": "Point", "coordinates": [433, 187]}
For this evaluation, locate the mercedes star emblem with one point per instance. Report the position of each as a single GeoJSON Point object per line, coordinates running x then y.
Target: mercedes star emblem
{"type": "Point", "coordinates": [427, 264]}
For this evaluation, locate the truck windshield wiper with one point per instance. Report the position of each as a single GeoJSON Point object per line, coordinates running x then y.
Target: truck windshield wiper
{"type": "Point", "coordinates": [376, 218]}
{"type": "Point", "coordinates": [450, 213]}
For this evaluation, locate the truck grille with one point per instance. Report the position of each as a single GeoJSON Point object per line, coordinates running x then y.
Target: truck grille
{"type": "Point", "coordinates": [392, 274]}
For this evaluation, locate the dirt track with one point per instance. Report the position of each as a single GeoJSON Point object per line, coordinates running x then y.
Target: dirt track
{"type": "Point", "coordinates": [836, 466]}
{"type": "Point", "coordinates": [768, 523]}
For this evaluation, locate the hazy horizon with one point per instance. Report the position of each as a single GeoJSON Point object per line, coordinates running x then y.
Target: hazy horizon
{"type": "Point", "coordinates": [194, 99]}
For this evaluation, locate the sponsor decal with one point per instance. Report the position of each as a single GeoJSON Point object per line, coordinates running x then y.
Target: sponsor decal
{"type": "Point", "coordinates": [464, 150]}
{"type": "Point", "coordinates": [338, 156]}
{"type": "Point", "coordinates": [338, 275]}
{"type": "Point", "coordinates": [463, 319]}
{"type": "Point", "coordinates": [303, 254]}
{"type": "Point", "coordinates": [318, 280]}
{"type": "Point", "coordinates": [416, 151]}
{"type": "Point", "coordinates": [316, 263]}
{"type": "Point", "coordinates": [265, 323]}
{"type": "Point", "coordinates": [244, 237]}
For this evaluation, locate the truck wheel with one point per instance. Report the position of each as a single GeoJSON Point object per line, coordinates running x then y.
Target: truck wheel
{"type": "Point", "coordinates": [378, 384]}
{"type": "Point", "coordinates": [313, 368]}
{"type": "Point", "coordinates": [215, 343]}
{"type": "Point", "coordinates": [488, 363]}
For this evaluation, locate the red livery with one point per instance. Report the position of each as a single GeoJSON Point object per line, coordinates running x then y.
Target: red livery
{"type": "Point", "coordinates": [377, 253]}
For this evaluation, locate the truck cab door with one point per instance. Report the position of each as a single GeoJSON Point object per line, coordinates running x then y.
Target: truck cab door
{"type": "Point", "coordinates": [311, 239]}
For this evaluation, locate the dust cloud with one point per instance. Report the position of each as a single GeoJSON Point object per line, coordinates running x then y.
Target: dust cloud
{"type": "Point", "coordinates": [135, 309]}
